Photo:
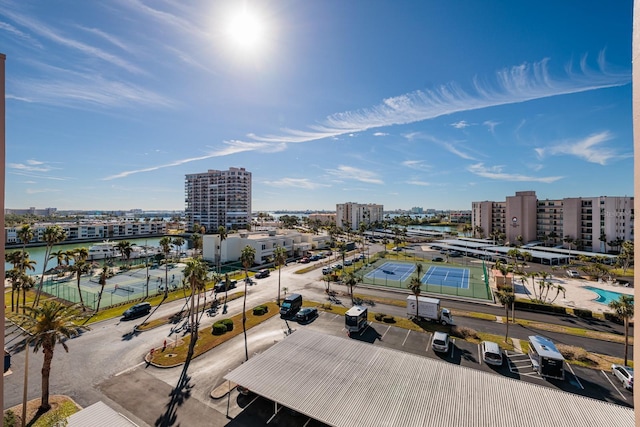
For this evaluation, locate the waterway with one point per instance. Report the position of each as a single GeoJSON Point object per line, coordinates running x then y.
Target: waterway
{"type": "Point", "coordinates": [37, 253]}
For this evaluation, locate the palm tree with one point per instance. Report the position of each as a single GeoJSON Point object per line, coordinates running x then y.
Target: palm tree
{"type": "Point", "coordinates": [48, 324]}
{"type": "Point", "coordinates": [196, 240]}
{"type": "Point", "coordinates": [165, 244]}
{"type": "Point", "coordinates": [80, 267]}
{"type": "Point", "coordinates": [25, 234]}
{"type": "Point", "coordinates": [26, 281]}
{"type": "Point", "coordinates": [415, 288]}
{"type": "Point", "coordinates": [14, 258]}
{"type": "Point", "coordinates": [623, 308]}
{"type": "Point", "coordinates": [419, 269]}
{"type": "Point", "coordinates": [247, 257]}
{"type": "Point", "coordinates": [506, 298]}
{"type": "Point", "coordinates": [52, 236]}
{"type": "Point", "coordinates": [104, 274]}
{"type": "Point", "coordinates": [125, 248]}
{"type": "Point", "coordinates": [351, 281]}
{"type": "Point", "coordinates": [178, 242]}
{"type": "Point", "coordinates": [279, 259]}
{"type": "Point", "coordinates": [222, 234]}
{"type": "Point", "coordinates": [195, 274]}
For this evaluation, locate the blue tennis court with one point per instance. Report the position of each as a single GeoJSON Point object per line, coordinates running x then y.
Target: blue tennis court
{"type": "Point", "coordinates": [392, 271]}
{"type": "Point", "coordinates": [447, 276]}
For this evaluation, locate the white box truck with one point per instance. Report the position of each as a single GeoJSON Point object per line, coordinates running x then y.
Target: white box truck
{"type": "Point", "coordinates": [428, 309]}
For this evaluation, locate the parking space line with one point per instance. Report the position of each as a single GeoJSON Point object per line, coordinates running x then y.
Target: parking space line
{"type": "Point", "coordinates": [385, 332]}
{"type": "Point", "coordinates": [613, 385]}
{"type": "Point", "coordinates": [575, 376]}
{"type": "Point", "coordinates": [405, 338]}
{"type": "Point", "coordinates": [428, 342]}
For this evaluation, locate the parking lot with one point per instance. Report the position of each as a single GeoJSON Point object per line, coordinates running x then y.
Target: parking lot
{"type": "Point", "coordinates": [591, 383]}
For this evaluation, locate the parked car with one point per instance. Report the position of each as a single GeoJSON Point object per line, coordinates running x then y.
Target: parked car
{"type": "Point", "coordinates": [304, 260]}
{"type": "Point", "coordinates": [307, 314]}
{"type": "Point", "coordinates": [573, 273]}
{"type": "Point", "coordinates": [455, 254]}
{"type": "Point", "coordinates": [219, 287]}
{"type": "Point", "coordinates": [262, 274]}
{"type": "Point", "coordinates": [137, 310]}
{"type": "Point", "coordinates": [491, 353]}
{"type": "Point", "coordinates": [348, 262]}
{"type": "Point", "coordinates": [624, 374]}
{"type": "Point", "coordinates": [326, 270]}
{"type": "Point", "coordinates": [438, 259]}
{"type": "Point", "coordinates": [314, 257]}
{"type": "Point", "coordinates": [336, 267]}
{"type": "Point", "coordinates": [440, 342]}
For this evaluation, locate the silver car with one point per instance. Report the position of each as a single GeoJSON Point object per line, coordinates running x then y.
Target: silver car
{"type": "Point", "coordinates": [624, 374]}
{"type": "Point", "coordinates": [440, 342]}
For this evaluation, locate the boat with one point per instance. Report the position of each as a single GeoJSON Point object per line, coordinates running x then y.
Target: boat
{"type": "Point", "coordinates": [104, 250]}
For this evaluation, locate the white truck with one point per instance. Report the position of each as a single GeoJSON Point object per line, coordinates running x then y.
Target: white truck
{"type": "Point", "coordinates": [429, 309]}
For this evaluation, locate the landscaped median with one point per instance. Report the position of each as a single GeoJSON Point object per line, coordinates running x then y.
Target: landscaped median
{"type": "Point", "coordinates": [175, 354]}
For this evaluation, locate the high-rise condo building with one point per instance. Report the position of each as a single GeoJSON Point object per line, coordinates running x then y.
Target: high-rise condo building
{"type": "Point", "coordinates": [218, 198]}
{"type": "Point", "coordinates": [596, 224]}
{"type": "Point", "coordinates": [352, 214]}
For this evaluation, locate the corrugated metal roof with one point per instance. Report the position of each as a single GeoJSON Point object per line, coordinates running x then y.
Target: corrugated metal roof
{"type": "Point", "coordinates": [99, 415]}
{"type": "Point", "coordinates": [343, 382]}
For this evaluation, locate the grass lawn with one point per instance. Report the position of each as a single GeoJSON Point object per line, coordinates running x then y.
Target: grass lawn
{"type": "Point", "coordinates": [61, 408]}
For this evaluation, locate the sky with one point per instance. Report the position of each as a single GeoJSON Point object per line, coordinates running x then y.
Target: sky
{"type": "Point", "coordinates": [406, 104]}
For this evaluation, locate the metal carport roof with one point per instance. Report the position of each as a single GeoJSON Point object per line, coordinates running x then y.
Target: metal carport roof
{"type": "Point", "coordinates": [343, 382]}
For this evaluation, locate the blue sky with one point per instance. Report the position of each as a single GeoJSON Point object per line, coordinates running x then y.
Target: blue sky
{"type": "Point", "coordinates": [433, 104]}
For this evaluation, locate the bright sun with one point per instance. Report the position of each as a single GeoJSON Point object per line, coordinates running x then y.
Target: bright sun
{"type": "Point", "coordinates": [246, 30]}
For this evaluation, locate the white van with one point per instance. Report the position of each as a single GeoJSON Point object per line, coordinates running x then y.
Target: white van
{"type": "Point", "coordinates": [491, 353]}
{"type": "Point", "coordinates": [573, 273]}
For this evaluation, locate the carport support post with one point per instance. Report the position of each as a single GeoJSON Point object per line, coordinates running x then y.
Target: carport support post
{"type": "Point", "coordinates": [228, 396]}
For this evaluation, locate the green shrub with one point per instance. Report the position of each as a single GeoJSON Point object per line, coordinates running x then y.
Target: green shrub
{"type": "Point", "coordinates": [389, 319]}
{"type": "Point", "coordinates": [228, 323]}
{"type": "Point", "coordinates": [10, 419]}
{"type": "Point", "coordinates": [378, 316]}
{"type": "Point", "coordinates": [218, 328]}
{"type": "Point", "coordinates": [259, 310]}
{"type": "Point", "coordinates": [587, 314]}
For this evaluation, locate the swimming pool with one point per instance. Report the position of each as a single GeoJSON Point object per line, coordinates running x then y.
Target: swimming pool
{"type": "Point", "coordinates": [604, 296]}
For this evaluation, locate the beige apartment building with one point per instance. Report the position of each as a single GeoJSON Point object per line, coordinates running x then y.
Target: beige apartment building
{"type": "Point", "coordinates": [590, 222]}
{"type": "Point", "coordinates": [352, 214]}
{"type": "Point", "coordinates": [323, 218]}
{"type": "Point", "coordinates": [218, 198]}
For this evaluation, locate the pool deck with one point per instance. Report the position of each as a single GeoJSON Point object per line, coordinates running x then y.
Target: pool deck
{"type": "Point", "coordinates": [576, 296]}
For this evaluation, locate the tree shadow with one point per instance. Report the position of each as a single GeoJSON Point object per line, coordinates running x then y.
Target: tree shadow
{"type": "Point", "coordinates": [178, 396]}
{"type": "Point", "coordinates": [130, 335]}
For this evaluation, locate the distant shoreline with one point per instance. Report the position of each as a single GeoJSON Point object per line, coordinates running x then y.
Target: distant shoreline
{"type": "Point", "coordinates": [15, 246]}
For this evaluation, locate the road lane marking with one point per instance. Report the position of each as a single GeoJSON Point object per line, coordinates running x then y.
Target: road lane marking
{"type": "Point", "coordinates": [613, 385]}
{"type": "Point", "coordinates": [405, 338]}
{"type": "Point", "coordinates": [130, 369]}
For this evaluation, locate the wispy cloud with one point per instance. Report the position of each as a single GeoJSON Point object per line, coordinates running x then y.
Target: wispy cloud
{"type": "Point", "coordinates": [461, 124]}
{"type": "Point", "coordinates": [590, 149]}
{"type": "Point", "coordinates": [518, 84]}
{"type": "Point", "coordinates": [19, 34]}
{"type": "Point", "coordinates": [415, 164]}
{"type": "Point", "coordinates": [420, 183]}
{"type": "Point", "coordinates": [231, 147]}
{"type": "Point", "coordinates": [351, 173]}
{"type": "Point", "coordinates": [491, 125]}
{"type": "Point", "coordinates": [296, 182]}
{"type": "Point", "coordinates": [42, 190]}
{"type": "Point", "coordinates": [495, 172]}
{"type": "Point", "coordinates": [380, 134]}
{"type": "Point", "coordinates": [30, 166]}
{"type": "Point", "coordinates": [449, 146]}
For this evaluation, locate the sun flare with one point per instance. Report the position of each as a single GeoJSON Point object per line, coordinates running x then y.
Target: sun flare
{"type": "Point", "coordinates": [246, 30]}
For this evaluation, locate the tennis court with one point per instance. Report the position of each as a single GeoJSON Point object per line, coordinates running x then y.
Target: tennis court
{"type": "Point", "coordinates": [447, 276]}
{"type": "Point", "coordinates": [464, 280]}
{"type": "Point", "coordinates": [392, 271]}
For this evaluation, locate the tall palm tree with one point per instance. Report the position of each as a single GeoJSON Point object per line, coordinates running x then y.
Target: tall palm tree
{"type": "Point", "coordinates": [351, 281]}
{"type": "Point", "coordinates": [222, 234]}
{"type": "Point", "coordinates": [52, 236]}
{"type": "Point", "coordinates": [26, 281]}
{"type": "Point", "coordinates": [125, 247]}
{"type": "Point", "coordinates": [14, 258]}
{"type": "Point", "coordinates": [623, 308]}
{"type": "Point", "coordinates": [15, 276]}
{"type": "Point", "coordinates": [196, 240]}
{"type": "Point", "coordinates": [48, 324]}
{"type": "Point", "coordinates": [80, 267]}
{"type": "Point", "coordinates": [104, 274]}
{"type": "Point", "coordinates": [279, 259]}
{"type": "Point", "coordinates": [178, 242]}
{"type": "Point", "coordinates": [506, 298]}
{"type": "Point", "coordinates": [415, 288]}
{"type": "Point", "coordinates": [195, 274]}
{"type": "Point", "coordinates": [419, 269]}
{"type": "Point", "coordinates": [165, 244]}
{"type": "Point", "coordinates": [25, 234]}
{"type": "Point", "coordinates": [247, 257]}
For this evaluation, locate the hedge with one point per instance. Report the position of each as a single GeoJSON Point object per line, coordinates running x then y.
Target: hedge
{"type": "Point", "coordinates": [532, 306]}
{"type": "Point", "coordinates": [613, 318]}
{"type": "Point", "coordinates": [260, 310]}
{"type": "Point", "coordinates": [228, 323]}
{"type": "Point", "coordinates": [580, 312]}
